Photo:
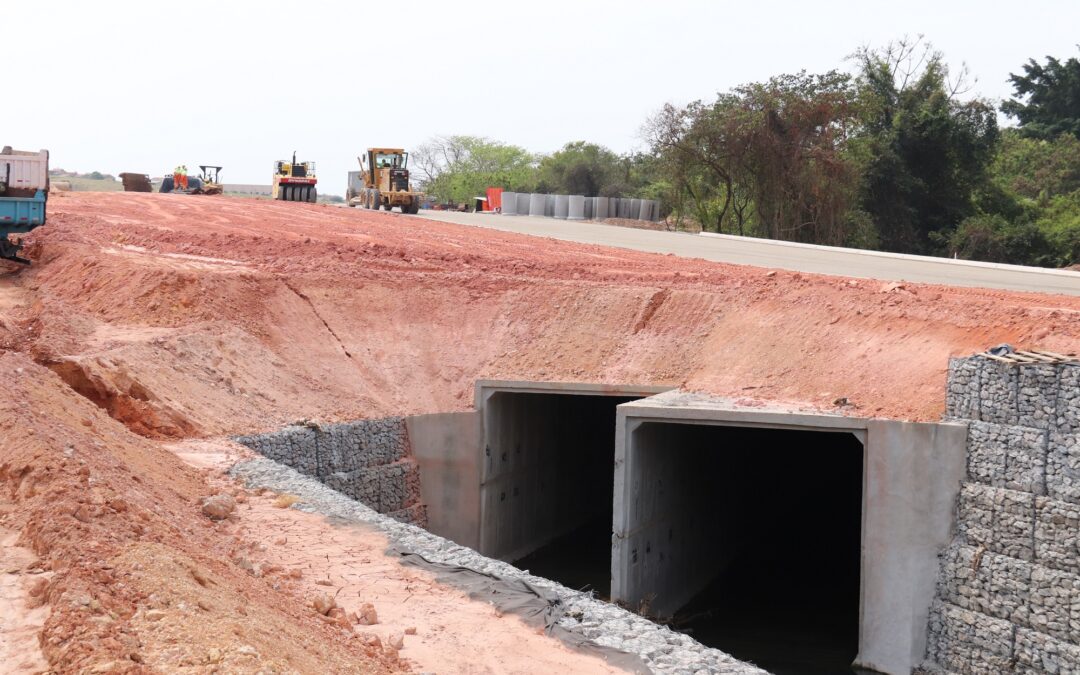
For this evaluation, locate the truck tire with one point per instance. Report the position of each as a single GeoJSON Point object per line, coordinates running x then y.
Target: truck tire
{"type": "Point", "coordinates": [376, 200]}
{"type": "Point", "coordinates": [412, 208]}
{"type": "Point", "coordinates": [313, 194]}
{"type": "Point", "coordinates": [166, 184]}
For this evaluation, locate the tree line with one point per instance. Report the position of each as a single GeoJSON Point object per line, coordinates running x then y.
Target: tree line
{"type": "Point", "coordinates": [897, 155]}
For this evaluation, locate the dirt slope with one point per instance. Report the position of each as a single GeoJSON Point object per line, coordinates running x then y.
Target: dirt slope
{"type": "Point", "coordinates": [198, 316]}
{"type": "Point", "coordinates": [138, 580]}
{"type": "Point", "coordinates": [151, 316]}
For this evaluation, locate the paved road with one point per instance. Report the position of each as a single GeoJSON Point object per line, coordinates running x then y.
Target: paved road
{"type": "Point", "coordinates": [783, 255]}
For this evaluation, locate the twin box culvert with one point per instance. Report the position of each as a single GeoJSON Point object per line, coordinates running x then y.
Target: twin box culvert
{"type": "Point", "coordinates": [694, 487]}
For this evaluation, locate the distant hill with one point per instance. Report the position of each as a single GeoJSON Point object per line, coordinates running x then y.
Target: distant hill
{"type": "Point", "coordinates": [95, 181]}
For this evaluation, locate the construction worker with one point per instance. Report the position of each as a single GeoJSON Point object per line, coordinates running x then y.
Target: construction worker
{"type": "Point", "coordinates": [183, 176]}
{"type": "Point", "coordinates": [176, 177]}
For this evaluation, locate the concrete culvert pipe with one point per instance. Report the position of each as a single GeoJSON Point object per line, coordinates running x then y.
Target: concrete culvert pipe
{"type": "Point", "coordinates": [509, 204]}
{"type": "Point", "coordinates": [635, 208]}
{"type": "Point", "coordinates": [590, 207]}
{"type": "Point", "coordinates": [562, 206]}
{"type": "Point", "coordinates": [575, 207]}
{"type": "Point", "coordinates": [600, 208]}
{"type": "Point", "coordinates": [523, 203]}
{"type": "Point", "coordinates": [549, 206]}
{"type": "Point", "coordinates": [645, 210]}
{"type": "Point", "coordinates": [537, 204]}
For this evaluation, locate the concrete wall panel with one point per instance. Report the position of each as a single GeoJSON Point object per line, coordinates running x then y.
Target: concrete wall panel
{"type": "Point", "coordinates": [447, 448]}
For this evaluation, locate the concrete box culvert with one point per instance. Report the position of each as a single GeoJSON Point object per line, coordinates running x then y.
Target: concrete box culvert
{"type": "Point", "coordinates": [523, 203]}
{"type": "Point", "coordinates": [910, 479]}
{"type": "Point", "coordinates": [546, 461]}
{"type": "Point", "coordinates": [549, 206]}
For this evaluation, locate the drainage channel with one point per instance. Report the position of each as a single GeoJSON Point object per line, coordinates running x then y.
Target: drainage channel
{"type": "Point", "coordinates": [801, 541]}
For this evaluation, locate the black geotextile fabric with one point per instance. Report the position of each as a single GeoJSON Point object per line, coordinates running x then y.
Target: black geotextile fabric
{"type": "Point", "coordinates": [536, 606]}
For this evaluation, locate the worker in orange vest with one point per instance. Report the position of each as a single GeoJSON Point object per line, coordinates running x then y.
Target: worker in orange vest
{"type": "Point", "coordinates": [183, 176]}
{"type": "Point", "coordinates": [176, 178]}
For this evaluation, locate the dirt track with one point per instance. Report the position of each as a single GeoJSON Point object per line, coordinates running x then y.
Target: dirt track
{"type": "Point", "coordinates": [173, 317]}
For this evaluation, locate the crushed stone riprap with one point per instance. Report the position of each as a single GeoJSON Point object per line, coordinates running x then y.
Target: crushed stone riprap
{"type": "Point", "coordinates": [577, 617]}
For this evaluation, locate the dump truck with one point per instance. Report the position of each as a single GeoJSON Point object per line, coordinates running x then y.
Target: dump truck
{"type": "Point", "coordinates": [294, 181]}
{"type": "Point", "coordinates": [24, 192]}
{"type": "Point", "coordinates": [383, 182]}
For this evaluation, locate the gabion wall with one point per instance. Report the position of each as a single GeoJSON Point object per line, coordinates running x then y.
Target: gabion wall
{"type": "Point", "coordinates": [1008, 598]}
{"type": "Point", "coordinates": [368, 460]}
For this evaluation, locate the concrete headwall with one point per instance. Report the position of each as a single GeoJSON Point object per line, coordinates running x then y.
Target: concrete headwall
{"type": "Point", "coordinates": [368, 460]}
{"type": "Point", "coordinates": [1008, 598]}
{"type": "Point", "coordinates": [447, 448]}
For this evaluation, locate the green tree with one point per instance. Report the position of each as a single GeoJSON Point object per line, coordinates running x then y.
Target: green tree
{"type": "Point", "coordinates": [1047, 102]}
{"type": "Point", "coordinates": [459, 168]}
{"type": "Point", "coordinates": [765, 158]}
{"type": "Point", "coordinates": [1031, 167]}
{"type": "Point", "coordinates": [581, 168]}
{"type": "Point", "coordinates": [926, 151]}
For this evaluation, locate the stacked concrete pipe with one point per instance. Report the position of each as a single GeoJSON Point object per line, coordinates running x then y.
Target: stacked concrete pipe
{"type": "Point", "coordinates": [562, 206]}
{"type": "Point", "coordinates": [575, 205]}
{"type": "Point", "coordinates": [509, 204]}
{"type": "Point", "coordinates": [645, 210]}
{"type": "Point", "coordinates": [600, 207]}
{"type": "Point", "coordinates": [537, 204]}
{"type": "Point", "coordinates": [578, 207]}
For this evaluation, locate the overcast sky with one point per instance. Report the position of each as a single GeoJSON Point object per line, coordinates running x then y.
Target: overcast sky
{"type": "Point", "coordinates": [142, 86]}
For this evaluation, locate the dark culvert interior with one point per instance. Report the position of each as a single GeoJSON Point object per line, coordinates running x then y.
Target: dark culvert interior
{"type": "Point", "coordinates": [549, 485]}
{"type": "Point", "coordinates": [780, 516]}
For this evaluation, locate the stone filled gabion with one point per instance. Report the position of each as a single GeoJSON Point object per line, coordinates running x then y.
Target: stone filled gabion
{"type": "Point", "coordinates": [368, 460]}
{"type": "Point", "coordinates": [1008, 598]}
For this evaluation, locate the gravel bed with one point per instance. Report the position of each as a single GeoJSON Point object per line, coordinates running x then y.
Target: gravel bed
{"type": "Point", "coordinates": [583, 618]}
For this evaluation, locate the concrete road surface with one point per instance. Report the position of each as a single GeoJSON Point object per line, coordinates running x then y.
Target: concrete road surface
{"type": "Point", "coordinates": [782, 255]}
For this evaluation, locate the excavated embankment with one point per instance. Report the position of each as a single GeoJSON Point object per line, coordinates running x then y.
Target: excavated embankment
{"type": "Point", "coordinates": [151, 317]}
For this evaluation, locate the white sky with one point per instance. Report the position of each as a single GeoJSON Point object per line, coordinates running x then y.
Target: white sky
{"type": "Point", "coordinates": [141, 86]}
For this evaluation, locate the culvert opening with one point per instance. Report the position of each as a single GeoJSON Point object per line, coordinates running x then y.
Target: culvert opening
{"type": "Point", "coordinates": [546, 493]}
{"type": "Point", "coordinates": [752, 540]}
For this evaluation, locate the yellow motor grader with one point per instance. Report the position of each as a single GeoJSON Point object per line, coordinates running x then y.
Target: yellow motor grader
{"type": "Point", "coordinates": [384, 182]}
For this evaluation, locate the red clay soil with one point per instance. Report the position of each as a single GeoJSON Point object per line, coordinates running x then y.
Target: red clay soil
{"type": "Point", "coordinates": [170, 316]}
{"type": "Point", "coordinates": [200, 316]}
{"type": "Point", "coordinates": [135, 577]}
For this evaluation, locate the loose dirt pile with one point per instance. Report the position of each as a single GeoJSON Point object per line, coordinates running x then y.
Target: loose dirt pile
{"type": "Point", "coordinates": [151, 316]}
